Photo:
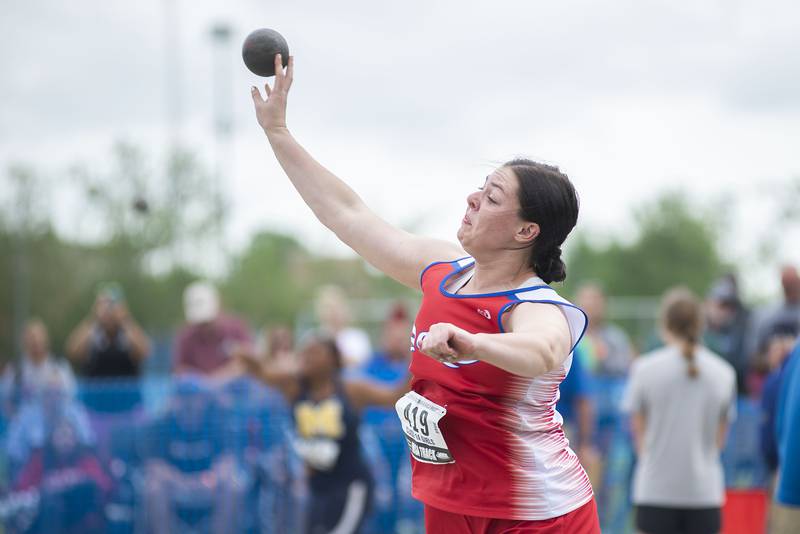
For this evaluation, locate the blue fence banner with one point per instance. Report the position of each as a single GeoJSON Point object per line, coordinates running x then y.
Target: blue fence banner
{"type": "Point", "coordinates": [184, 455]}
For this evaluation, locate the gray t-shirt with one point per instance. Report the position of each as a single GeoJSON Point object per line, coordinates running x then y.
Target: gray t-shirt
{"type": "Point", "coordinates": [679, 464]}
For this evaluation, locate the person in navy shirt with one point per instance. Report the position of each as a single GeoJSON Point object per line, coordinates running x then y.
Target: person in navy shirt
{"type": "Point", "coordinates": [326, 412]}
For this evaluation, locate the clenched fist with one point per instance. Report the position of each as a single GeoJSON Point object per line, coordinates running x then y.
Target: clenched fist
{"type": "Point", "coordinates": [448, 343]}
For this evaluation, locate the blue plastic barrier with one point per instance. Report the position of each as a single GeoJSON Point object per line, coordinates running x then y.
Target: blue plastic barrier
{"type": "Point", "coordinates": [185, 456]}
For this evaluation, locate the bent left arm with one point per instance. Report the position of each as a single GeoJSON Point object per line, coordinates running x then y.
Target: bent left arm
{"type": "Point", "coordinates": [538, 340]}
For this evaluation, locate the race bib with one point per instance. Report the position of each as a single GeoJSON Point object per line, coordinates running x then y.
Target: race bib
{"type": "Point", "coordinates": [420, 419]}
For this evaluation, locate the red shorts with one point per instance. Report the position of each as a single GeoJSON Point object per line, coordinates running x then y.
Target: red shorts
{"type": "Point", "coordinates": [581, 521]}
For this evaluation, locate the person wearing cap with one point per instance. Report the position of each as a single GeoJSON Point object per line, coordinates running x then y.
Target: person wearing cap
{"type": "Point", "coordinates": [189, 464]}
{"type": "Point", "coordinates": [727, 323]}
{"type": "Point", "coordinates": [109, 343]}
{"type": "Point", "coordinates": [204, 345]}
{"type": "Point", "coordinates": [765, 319]}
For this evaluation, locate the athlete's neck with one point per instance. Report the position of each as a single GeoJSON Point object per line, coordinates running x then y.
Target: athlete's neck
{"type": "Point", "coordinates": [498, 274]}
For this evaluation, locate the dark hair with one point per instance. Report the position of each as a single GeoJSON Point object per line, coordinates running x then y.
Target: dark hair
{"type": "Point", "coordinates": [682, 316]}
{"type": "Point", "coordinates": [328, 342]}
{"type": "Point", "coordinates": [546, 197]}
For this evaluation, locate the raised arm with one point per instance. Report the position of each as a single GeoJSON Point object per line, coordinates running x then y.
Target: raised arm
{"type": "Point", "coordinates": [399, 254]}
{"type": "Point", "coordinates": [78, 341]}
{"type": "Point", "coordinates": [140, 343]}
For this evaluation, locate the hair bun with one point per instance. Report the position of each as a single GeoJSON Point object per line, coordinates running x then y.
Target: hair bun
{"type": "Point", "coordinates": [550, 267]}
{"type": "Point", "coordinates": [547, 198]}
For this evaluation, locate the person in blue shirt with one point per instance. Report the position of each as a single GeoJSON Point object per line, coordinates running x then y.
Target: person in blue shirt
{"type": "Point", "coordinates": [786, 514]}
{"type": "Point", "coordinates": [780, 343]}
{"type": "Point", "coordinates": [389, 365]}
{"type": "Point", "coordinates": [576, 407]}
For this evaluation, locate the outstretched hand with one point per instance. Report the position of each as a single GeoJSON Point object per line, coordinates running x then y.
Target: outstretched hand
{"type": "Point", "coordinates": [271, 113]}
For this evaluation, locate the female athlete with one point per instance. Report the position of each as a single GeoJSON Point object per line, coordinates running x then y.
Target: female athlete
{"type": "Point", "coordinates": [491, 341]}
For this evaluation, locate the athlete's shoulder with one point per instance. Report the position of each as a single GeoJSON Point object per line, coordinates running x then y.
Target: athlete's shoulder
{"type": "Point", "coordinates": [537, 298]}
{"type": "Point", "coordinates": [442, 267]}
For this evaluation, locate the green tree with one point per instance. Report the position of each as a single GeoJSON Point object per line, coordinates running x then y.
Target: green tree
{"type": "Point", "coordinates": [675, 243]}
{"type": "Point", "coordinates": [133, 226]}
{"type": "Point", "coordinates": [275, 278]}
{"type": "Point", "coordinates": [268, 281]}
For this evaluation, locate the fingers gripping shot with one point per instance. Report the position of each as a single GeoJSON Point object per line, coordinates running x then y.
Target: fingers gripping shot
{"type": "Point", "coordinates": [491, 342]}
{"type": "Point", "coordinates": [260, 48]}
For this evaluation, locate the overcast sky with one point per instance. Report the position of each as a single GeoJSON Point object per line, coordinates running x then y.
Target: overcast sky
{"type": "Point", "coordinates": [413, 102]}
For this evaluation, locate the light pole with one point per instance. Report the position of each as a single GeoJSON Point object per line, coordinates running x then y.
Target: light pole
{"type": "Point", "coordinates": [221, 33]}
{"type": "Point", "coordinates": [174, 118]}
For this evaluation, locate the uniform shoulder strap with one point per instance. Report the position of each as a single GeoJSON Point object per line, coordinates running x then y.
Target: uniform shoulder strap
{"type": "Point", "coordinates": [576, 317]}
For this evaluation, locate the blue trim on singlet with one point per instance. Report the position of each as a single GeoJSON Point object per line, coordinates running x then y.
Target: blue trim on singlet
{"type": "Point", "coordinates": [425, 270]}
{"type": "Point", "coordinates": [446, 279]}
{"type": "Point", "coordinates": [516, 300]}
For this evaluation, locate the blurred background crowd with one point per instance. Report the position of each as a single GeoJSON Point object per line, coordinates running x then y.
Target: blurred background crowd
{"type": "Point", "coordinates": [115, 429]}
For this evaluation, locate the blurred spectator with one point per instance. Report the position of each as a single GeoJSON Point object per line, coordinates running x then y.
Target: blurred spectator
{"type": "Point", "coordinates": [278, 343]}
{"type": "Point", "coordinates": [51, 450]}
{"type": "Point", "coordinates": [577, 409]}
{"type": "Point", "coordinates": [256, 422]}
{"type": "Point", "coordinates": [108, 343]}
{"type": "Point", "coordinates": [327, 414]}
{"type": "Point", "coordinates": [28, 377]}
{"type": "Point", "coordinates": [779, 345]}
{"type": "Point", "coordinates": [681, 399]}
{"type": "Point", "coordinates": [605, 348]}
{"type": "Point", "coordinates": [786, 513]}
{"type": "Point", "coordinates": [334, 317]}
{"type": "Point", "coordinates": [786, 312]}
{"type": "Point", "coordinates": [605, 355]}
{"type": "Point", "coordinates": [39, 415]}
{"type": "Point", "coordinates": [205, 344]}
{"type": "Point", "coordinates": [389, 365]}
{"type": "Point", "coordinates": [191, 477]}
{"type": "Point", "coordinates": [727, 322]}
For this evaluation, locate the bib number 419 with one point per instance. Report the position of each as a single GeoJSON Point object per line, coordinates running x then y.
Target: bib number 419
{"type": "Point", "coordinates": [417, 419]}
{"type": "Point", "coordinates": [420, 420]}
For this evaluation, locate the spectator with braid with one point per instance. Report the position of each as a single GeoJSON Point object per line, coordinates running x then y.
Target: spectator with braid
{"type": "Point", "coordinates": [681, 399]}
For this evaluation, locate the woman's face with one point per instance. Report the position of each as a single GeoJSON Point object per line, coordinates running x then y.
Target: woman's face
{"type": "Point", "coordinates": [316, 360]}
{"type": "Point", "coordinates": [492, 219]}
